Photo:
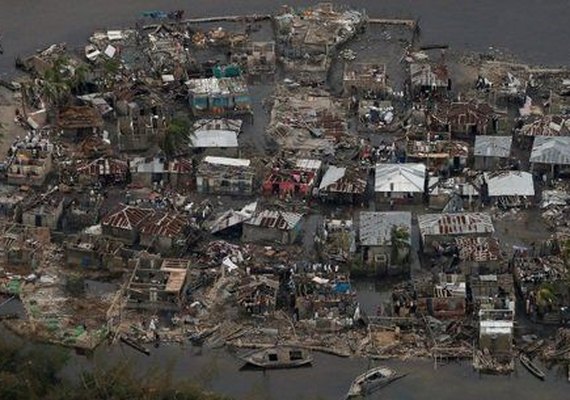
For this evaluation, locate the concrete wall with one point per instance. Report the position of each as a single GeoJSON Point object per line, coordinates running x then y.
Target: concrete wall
{"type": "Point", "coordinates": [252, 233]}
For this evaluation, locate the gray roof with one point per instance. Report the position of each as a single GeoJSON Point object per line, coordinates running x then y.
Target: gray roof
{"type": "Point", "coordinates": [332, 175]}
{"type": "Point", "coordinates": [202, 139]}
{"type": "Point", "coordinates": [493, 146]}
{"type": "Point", "coordinates": [551, 150]}
{"type": "Point", "coordinates": [375, 228]}
{"type": "Point", "coordinates": [455, 224]}
{"type": "Point", "coordinates": [510, 183]}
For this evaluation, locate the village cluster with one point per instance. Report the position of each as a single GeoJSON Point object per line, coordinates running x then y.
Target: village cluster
{"type": "Point", "coordinates": [231, 178]}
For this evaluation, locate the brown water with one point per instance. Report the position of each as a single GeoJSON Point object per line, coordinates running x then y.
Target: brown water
{"type": "Point", "coordinates": [535, 30]}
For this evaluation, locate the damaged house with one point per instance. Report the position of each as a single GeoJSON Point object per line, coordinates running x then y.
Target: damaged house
{"type": "Point", "coordinates": [343, 185]}
{"type": "Point", "coordinates": [308, 39]}
{"type": "Point", "coordinates": [164, 232]}
{"type": "Point", "coordinates": [94, 252]}
{"type": "Point", "coordinates": [402, 183]}
{"type": "Point", "coordinates": [550, 155]}
{"type": "Point", "coordinates": [282, 227]}
{"type": "Point", "coordinates": [385, 240]}
{"type": "Point", "coordinates": [440, 155]}
{"type": "Point", "coordinates": [106, 170]}
{"type": "Point", "coordinates": [258, 296]}
{"type": "Point", "coordinates": [31, 163]}
{"type": "Point", "coordinates": [79, 122]}
{"type": "Point", "coordinates": [157, 283]}
{"type": "Point", "coordinates": [307, 120]}
{"type": "Point", "coordinates": [292, 178]}
{"type": "Point", "coordinates": [125, 223]}
{"type": "Point", "coordinates": [429, 79]}
{"type": "Point", "coordinates": [510, 188]}
{"type": "Point", "coordinates": [257, 58]}
{"type": "Point", "coordinates": [216, 137]}
{"type": "Point", "coordinates": [439, 229]}
{"type": "Point", "coordinates": [140, 119]}
{"type": "Point", "coordinates": [218, 96]}
{"type": "Point", "coordinates": [363, 78]}
{"type": "Point", "coordinates": [221, 175]}
{"type": "Point", "coordinates": [336, 240]}
{"type": "Point", "coordinates": [491, 152]}
{"type": "Point", "coordinates": [158, 170]}
{"type": "Point", "coordinates": [466, 119]}
{"type": "Point", "coordinates": [44, 211]}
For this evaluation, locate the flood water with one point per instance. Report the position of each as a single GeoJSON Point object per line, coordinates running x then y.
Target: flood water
{"type": "Point", "coordinates": [535, 30]}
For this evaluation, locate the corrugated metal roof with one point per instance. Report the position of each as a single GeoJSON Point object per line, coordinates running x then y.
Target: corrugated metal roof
{"type": "Point", "coordinates": [282, 220]}
{"type": "Point", "coordinates": [217, 86]}
{"type": "Point", "coordinates": [218, 124]}
{"type": "Point", "coordinates": [308, 165]}
{"type": "Point", "coordinates": [510, 183]}
{"type": "Point", "coordinates": [551, 150]}
{"type": "Point", "coordinates": [493, 146]}
{"type": "Point", "coordinates": [202, 139]}
{"type": "Point", "coordinates": [455, 224]}
{"type": "Point", "coordinates": [375, 228]}
{"type": "Point", "coordinates": [404, 178]}
{"type": "Point", "coordinates": [235, 162]}
{"type": "Point", "coordinates": [332, 175]}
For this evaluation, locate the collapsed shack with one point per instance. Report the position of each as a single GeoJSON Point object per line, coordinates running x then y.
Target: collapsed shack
{"type": "Point", "coordinates": [289, 178]}
{"type": "Point", "coordinates": [308, 39]}
{"type": "Point", "coordinates": [257, 58]}
{"type": "Point", "coordinates": [342, 185]}
{"type": "Point", "coordinates": [541, 283]}
{"type": "Point", "coordinates": [440, 156]}
{"type": "Point", "coordinates": [308, 121]}
{"type": "Point", "coordinates": [157, 283]}
{"type": "Point", "coordinates": [30, 162]}
{"type": "Point", "coordinates": [336, 241]}
{"type": "Point", "coordinates": [364, 80]}
{"type": "Point", "coordinates": [78, 122]}
{"type": "Point", "coordinates": [94, 252]}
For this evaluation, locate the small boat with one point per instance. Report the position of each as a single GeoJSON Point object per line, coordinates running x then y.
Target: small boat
{"type": "Point", "coordinates": [371, 381]}
{"type": "Point", "coordinates": [532, 368]}
{"type": "Point", "coordinates": [279, 357]}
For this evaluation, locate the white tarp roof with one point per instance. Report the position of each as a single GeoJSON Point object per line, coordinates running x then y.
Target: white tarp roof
{"type": "Point", "coordinates": [403, 178]}
{"type": "Point", "coordinates": [235, 162]}
{"type": "Point", "coordinates": [510, 183]}
{"type": "Point", "coordinates": [214, 139]}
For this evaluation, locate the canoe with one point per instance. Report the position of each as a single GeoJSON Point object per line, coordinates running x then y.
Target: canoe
{"type": "Point", "coordinates": [279, 357]}
{"type": "Point", "coordinates": [531, 367]}
{"type": "Point", "coordinates": [371, 381]}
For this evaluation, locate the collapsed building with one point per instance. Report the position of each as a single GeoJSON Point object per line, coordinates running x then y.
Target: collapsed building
{"type": "Point", "coordinates": [31, 162]}
{"type": "Point", "coordinates": [292, 177]}
{"type": "Point", "coordinates": [282, 227]}
{"type": "Point", "coordinates": [342, 184]}
{"type": "Point", "coordinates": [307, 39]}
{"type": "Point", "coordinates": [225, 176]}
{"type": "Point", "coordinates": [362, 78]}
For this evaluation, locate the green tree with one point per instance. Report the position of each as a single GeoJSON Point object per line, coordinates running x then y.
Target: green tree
{"type": "Point", "coordinates": [175, 137]}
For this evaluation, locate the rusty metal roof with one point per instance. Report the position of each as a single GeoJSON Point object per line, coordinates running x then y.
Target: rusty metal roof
{"type": "Point", "coordinates": [455, 224]}
{"type": "Point", "coordinates": [282, 220]}
{"type": "Point", "coordinates": [164, 224]}
{"type": "Point", "coordinates": [127, 218]}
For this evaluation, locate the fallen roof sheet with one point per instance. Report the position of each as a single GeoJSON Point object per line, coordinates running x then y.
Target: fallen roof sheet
{"type": "Point", "coordinates": [332, 175]}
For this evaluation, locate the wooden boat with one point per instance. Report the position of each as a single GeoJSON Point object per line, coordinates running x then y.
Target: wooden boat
{"type": "Point", "coordinates": [279, 357]}
{"type": "Point", "coordinates": [532, 368]}
{"type": "Point", "coordinates": [371, 381]}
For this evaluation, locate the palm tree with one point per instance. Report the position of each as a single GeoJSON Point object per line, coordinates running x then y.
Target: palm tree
{"type": "Point", "coordinates": [175, 136]}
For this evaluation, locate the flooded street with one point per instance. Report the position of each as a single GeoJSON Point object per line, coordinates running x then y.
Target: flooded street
{"type": "Point", "coordinates": [532, 30]}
